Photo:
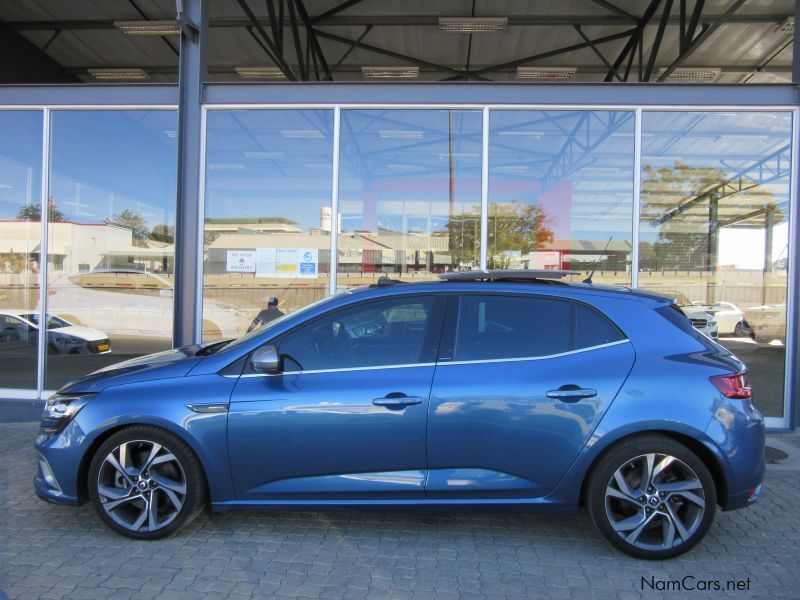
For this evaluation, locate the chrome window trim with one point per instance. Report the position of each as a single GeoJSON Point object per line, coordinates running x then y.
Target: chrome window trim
{"type": "Point", "coordinates": [316, 371]}
{"type": "Point", "coordinates": [436, 364]}
{"type": "Point", "coordinates": [527, 358]}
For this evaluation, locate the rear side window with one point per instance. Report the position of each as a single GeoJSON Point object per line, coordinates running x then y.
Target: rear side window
{"type": "Point", "coordinates": [497, 327]}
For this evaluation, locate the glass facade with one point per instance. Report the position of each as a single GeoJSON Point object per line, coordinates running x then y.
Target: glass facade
{"type": "Point", "coordinates": [266, 243]}
{"type": "Point", "coordinates": [561, 191]}
{"type": "Point", "coordinates": [410, 193]}
{"type": "Point", "coordinates": [714, 229]}
{"type": "Point", "coordinates": [20, 240]}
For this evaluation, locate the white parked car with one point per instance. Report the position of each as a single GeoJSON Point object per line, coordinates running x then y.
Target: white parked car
{"type": "Point", "coordinates": [62, 336]}
{"type": "Point", "coordinates": [701, 317]}
{"type": "Point", "coordinates": [768, 323]}
{"type": "Point", "coordinates": [134, 304]}
{"type": "Point", "coordinates": [730, 318]}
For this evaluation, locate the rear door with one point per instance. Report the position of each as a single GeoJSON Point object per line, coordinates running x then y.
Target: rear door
{"type": "Point", "coordinates": [521, 383]}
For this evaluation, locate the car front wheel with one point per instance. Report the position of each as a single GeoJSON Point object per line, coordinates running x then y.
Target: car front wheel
{"type": "Point", "coordinates": [146, 483]}
{"type": "Point", "coordinates": [652, 497]}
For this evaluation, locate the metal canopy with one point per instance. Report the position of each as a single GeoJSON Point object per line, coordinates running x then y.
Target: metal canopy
{"type": "Point", "coordinates": [729, 41]}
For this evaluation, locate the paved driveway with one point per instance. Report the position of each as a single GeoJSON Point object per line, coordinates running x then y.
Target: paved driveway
{"type": "Point", "coordinates": [49, 551]}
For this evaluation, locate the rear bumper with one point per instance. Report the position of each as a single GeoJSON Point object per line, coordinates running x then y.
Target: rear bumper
{"type": "Point", "coordinates": [738, 431]}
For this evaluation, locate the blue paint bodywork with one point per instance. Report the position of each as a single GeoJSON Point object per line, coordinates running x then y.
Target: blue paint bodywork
{"type": "Point", "coordinates": [484, 433]}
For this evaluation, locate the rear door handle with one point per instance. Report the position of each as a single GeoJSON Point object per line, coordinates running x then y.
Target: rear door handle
{"type": "Point", "coordinates": [571, 393]}
{"type": "Point", "coordinates": [397, 401]}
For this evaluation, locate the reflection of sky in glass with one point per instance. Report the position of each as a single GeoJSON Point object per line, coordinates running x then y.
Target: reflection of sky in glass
{"type": "Point", "coordinates": [20, 160]}
{"type": "Point", "coordinates": [577, 166]}
{"type": "Point", "coordinates": [269, 163]}
{"type": "Point", "coordinates": [395, 168]}
{"type": "Point", "coordinates": [107, 161]}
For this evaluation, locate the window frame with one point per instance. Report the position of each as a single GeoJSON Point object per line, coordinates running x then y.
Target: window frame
{"type": "Point", "coordinates": [447, 344]}
{"type": "Point", "coordinates": [430, 344]}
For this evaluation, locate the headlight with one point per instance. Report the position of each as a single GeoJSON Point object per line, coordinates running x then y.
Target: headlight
{"type": "Point", "coordinates": [60, 409]}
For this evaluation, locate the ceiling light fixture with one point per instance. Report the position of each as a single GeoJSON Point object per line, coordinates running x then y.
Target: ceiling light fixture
{"type": "Point", "coordinates": [301, 133]}
{"type": "Point", "coordinates": [168, 27]}
{"type": "Point", "coordinates": [472, 24]}
{"type": "Point", "coordinates": [546, 73]}
{"type": "Point", "coordinates": [260, 73]}
{"type": "Point", "coordinates": [411, 72]}
{"type": "Point", "coordinates": [401, 134]}
{"type": "Point", "coordinates": [134, 74]}
{"type": "Point", "coordinates": [702, 75]}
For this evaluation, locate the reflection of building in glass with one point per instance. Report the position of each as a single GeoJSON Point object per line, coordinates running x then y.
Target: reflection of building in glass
{"type": "Point", "coordinates": [80, 248]}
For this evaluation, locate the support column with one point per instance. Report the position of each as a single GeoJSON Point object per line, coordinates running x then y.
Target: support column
{"type": "Point", "coordinates": [769, 223]}
{"type": "Point", "coordinates": [188, 226]}
{"type": "Point", "coordinates": [793, 272]}
{"type": "Point", "coordinates": [713, 248]}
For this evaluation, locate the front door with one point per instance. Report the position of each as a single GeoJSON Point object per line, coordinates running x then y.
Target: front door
{"type": "Point", "coordinates": [521, 384]}
{"type": "Point", "coordinates": [346, 417]}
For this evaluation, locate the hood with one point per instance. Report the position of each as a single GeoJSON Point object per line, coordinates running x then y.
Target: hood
{"type": "Point", "coordinates": [162, 365]}
{"type": "Point", "coordinates": [696, 312]}
{"type": "Point", "coordinates": [84, 333]}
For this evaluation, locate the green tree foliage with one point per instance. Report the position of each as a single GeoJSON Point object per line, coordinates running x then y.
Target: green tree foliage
{"type": "Point", "coordinates": [684, 237]}
{"type": "Point", "coordinates": [163, 233]}
{"type": "Point", "coordinates": [33, 212]}
{"type": "Point", "coordinates": [515, 226]}
{"type": "Point", "coordinates": [133, 221]}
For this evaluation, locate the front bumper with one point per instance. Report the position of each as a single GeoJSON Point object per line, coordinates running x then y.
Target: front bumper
{"type": "Point", "coordinates": [58, 462]}
{"type": "Point", "coordinates": [46, 484]}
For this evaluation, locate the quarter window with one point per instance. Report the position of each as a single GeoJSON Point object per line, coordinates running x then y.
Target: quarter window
{"type": "Point", "coordinates": [372, 334]}
{"type": "Point", "coordinates": [497, 327]}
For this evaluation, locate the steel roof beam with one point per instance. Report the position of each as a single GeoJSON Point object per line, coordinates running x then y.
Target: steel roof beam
{"type": "Point", "coordinates": [403, 20]}
{"type": "Point", "coordinates": [417, 61]}
{"type": "Point", "coordinates": [706, 33]}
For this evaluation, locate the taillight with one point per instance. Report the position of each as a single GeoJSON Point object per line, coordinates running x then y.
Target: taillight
{"type": "Point", "coordinates": [736, 385]}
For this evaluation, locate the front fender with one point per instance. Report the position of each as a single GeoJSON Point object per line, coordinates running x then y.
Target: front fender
{"type": "Point", "coordinates": [162, 404]}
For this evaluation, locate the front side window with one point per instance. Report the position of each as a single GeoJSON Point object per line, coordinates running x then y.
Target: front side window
{"type": "Point", "coordinates": [498, 327]}
{"type": "Point", "coordinates": [372, 334]}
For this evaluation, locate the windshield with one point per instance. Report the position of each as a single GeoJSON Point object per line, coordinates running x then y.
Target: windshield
{"type": "Point", "coordinates": [258, 331]}
{"type": "Point", "coordinates": [53, 322]}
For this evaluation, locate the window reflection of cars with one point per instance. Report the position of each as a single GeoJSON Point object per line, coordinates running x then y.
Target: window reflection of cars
{"type": "Point", "coordinates": [729, 317]}
{"type": "Point", "coordinates": [133, 304]}
{"type": "Point", "coordinates": [62, 336]}
{"type": "Point", "coordinates": [701, 317]}
{"type": "Point", "coordinates": [767, 322]}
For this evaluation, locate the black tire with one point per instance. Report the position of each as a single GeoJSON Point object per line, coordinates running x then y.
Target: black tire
{"type": "Point", "coordinates": [637, 511]}
{"type": "Point", "coordinates": [739, 331]}
{"type": "Point", "coordinates": [184, 469]}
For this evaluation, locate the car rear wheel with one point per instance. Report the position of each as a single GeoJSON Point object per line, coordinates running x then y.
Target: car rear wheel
{"type": "Point", "coordinates": [652, 497]}
{"type": "Point", "coordinates": [146, 483]}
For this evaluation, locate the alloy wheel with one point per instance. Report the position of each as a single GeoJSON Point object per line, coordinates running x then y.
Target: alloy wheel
{"type": "Point", "coordinates": [141, 485]}
{"type": "Point", "coordinates": [655, 502]}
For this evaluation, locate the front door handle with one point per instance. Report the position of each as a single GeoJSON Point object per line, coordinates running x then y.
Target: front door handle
{"type": "Point", "coordinates": [397, 401]}
{"type": "Point", "coordinates": [571, 393]}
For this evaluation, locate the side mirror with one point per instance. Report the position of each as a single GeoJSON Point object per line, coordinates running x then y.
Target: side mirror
{"type": "Point", "coordinates": [266, 360]}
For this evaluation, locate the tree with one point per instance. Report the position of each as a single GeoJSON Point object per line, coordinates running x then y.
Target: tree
{"type": "Point", "coordinates": [514, 226]}
{"type": "Point", "coordinates": [133, 221]}
{"type": "Point", "coordinates": [683, 242]}
{"type": "Point", "coordinates": [163, 233]}
{"type": "Point", "coordinates": [33, 212]}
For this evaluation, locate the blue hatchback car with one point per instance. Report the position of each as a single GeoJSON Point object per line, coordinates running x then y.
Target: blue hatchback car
{"type": "Point", "coordinates": [494, 389]}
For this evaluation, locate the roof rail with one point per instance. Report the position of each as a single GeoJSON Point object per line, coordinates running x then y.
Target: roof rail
{"type": "Point", "coordinates": [530, 275]}
{"type": "Point", "coordinates": [384, 281]}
